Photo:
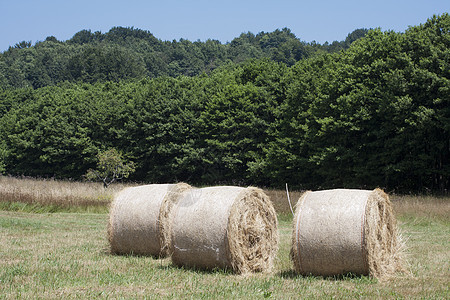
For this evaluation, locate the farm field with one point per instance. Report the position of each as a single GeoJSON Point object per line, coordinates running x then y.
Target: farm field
{"type": "Point", "coordinates": [64, 254]}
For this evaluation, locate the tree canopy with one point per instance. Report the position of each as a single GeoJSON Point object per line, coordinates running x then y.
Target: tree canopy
{"type": "Point", "coordinates": [130, 53]}
{"type": "Point", "coordinates": [375, 114]}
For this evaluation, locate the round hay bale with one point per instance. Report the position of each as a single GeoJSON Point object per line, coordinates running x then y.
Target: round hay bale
{"type": "Point", "coordinates": [139, 219]}
{"type": "Point", "coordinates": [225, 227]}
{"type": "Point", "coordinates": [345, 231]}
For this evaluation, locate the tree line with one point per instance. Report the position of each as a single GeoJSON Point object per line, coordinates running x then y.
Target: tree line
{"type": "Point", "coordinates": [129, 53]}
{"type": "Point", "coordinates": [376, 114]}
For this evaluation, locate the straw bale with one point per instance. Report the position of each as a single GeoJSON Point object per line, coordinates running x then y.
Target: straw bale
{"type": "Point", "coordinates": [225, 227]}
{"type": "Point", "coordinates": [138, 220]}
{"type": "Point", "coordinates": [342, 231]}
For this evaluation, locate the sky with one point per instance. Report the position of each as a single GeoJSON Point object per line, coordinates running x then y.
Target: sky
{"type": "Point", "coordinates": [312, 20]}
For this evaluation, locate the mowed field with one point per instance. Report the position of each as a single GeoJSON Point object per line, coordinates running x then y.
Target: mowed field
{"type": "Point", "coordinates": [52, 248]}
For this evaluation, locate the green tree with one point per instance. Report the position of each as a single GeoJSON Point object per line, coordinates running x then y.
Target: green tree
{"type": "Point", "coordinates": [159, 128]}
{"type": "Point", "coordinates": [3, 156]}
{"type": "Point", "coordinates": [111, 167]}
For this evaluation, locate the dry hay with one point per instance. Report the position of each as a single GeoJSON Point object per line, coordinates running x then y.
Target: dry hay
{"type": "Point", "coordinates": [342, 231]}
{"type": "Point", "coordinates": [225, 227]}
{"type": "Point", "coordinates": [139, 216]}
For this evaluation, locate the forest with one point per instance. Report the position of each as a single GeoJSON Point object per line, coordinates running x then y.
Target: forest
{"type": "Point", "coordinates": [265, 109]}
{"type": "Point", "coordinates": [128, 53]}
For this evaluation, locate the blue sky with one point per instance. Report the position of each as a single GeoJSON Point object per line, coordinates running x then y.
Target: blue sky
{"type": "Point", "coordinates": [34, 20]}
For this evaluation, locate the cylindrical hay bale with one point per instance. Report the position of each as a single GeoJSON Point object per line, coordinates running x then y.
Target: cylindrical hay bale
{"type": "Point", "coordinates": [225, 227]}
{"type": "Point", "coordinates": [139, 216]}
{"type": "Point", "coordinates": [345, 231]}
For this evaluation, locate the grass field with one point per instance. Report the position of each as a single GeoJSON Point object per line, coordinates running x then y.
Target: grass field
{"type": "Point", "coordinates": [65, 255]}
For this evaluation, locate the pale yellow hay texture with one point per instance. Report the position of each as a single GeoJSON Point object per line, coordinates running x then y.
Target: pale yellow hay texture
{"type": "Point", "coordinates": [225, 227]}
{"type": "Point", "coordinates": [342, 231]}
{"type": "Point", "coordinates": [138, 216]}
{"type": "Point", "coordinates": [165, 213]}
{"type": "Point", "coordinates": [382, 243]}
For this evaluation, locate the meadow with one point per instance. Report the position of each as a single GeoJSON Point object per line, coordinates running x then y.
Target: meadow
{"type": "Point", "coordinates": [53, 245]}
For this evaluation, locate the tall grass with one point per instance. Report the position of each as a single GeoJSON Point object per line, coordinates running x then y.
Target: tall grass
{"type": "Point", "coordinates": [422, 206]}
{"type": "Point", "coordinates": [49, 195]}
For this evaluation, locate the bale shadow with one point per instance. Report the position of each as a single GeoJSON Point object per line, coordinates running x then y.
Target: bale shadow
{"type": "Point", "coordinates": [288, 274]}
{"type": "Point", "coordinates": [291, 274]}
{"type": "Point", "coordinates": [197, 270]}
{"type": "Point", "coordinates": [107, 251]}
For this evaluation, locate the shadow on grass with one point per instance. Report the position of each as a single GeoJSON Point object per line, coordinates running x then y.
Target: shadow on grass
{"type": "Point", "coordinates": [107, 251]}
{"type": "Point", "coordinates": [170, 266]}
{"type": "Point", "coordinates": [285, 274]}
{"type": "Point", "coordinates": [291, 274]}
{"type": "Point", "coordinates": [197, 270]}
{"type": "Point", "coordinates": [288, 274]}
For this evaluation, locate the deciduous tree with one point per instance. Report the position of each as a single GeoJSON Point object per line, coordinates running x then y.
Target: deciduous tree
{"type": "Point", "coordinates": [111, 167]}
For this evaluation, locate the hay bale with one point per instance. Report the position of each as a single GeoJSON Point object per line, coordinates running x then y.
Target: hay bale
{"type": "Point", "coordinates": [345, 231]}
{"type": "Point", "coordinates": [225, 227]}
{"type": "Point", "coordinates": [138, 220]}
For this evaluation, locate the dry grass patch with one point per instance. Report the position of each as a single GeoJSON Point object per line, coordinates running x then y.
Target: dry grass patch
{"type": "Point", "coordinates": [56, 193]}
{"type": "Point", "coordinates": [421, 206]}
{"type": "Point", "coordinates": [280, 200]}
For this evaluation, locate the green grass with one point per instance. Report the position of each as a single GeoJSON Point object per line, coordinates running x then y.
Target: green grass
{"type": "Point", "coordinates": [62, 255]}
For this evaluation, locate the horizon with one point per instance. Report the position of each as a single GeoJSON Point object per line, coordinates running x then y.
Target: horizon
{"type": "Point", "coordinates": [200, 20]}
